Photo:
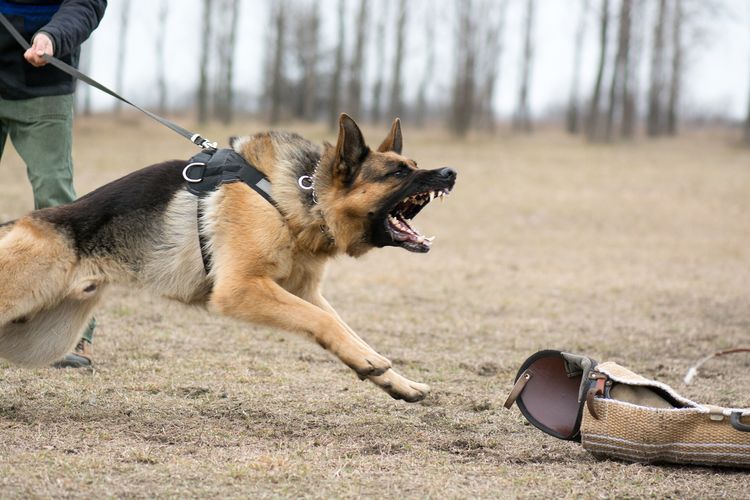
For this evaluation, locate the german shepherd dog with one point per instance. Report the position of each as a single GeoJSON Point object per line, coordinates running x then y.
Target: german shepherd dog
{"type": "Point", "coordinates": [267, 262]}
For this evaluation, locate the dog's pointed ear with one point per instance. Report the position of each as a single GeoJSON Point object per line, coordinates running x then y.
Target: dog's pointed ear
{"type": "Point", "coordinates": [394, 142]}
{"type": "Point", "coordinates": [351, 149]}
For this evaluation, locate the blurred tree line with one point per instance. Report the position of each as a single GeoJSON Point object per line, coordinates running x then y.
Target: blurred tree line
{"type": "Point", "coordinates": [643, 48]}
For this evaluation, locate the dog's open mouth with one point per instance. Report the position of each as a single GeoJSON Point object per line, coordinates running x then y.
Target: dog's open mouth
{"type": "Point", "coordinates": [399, 220]}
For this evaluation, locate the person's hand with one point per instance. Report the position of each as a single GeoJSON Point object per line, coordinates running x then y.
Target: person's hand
{"type": "Point", "coordinates": [41, 45]}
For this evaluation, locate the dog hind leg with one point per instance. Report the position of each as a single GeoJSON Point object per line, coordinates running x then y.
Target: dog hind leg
{"type": "Point", "coordinates": [41, 314]}
{"type": "Point", "coordinates": [35, 262]}
{"type": "Point", "coordinates": [49, 334]}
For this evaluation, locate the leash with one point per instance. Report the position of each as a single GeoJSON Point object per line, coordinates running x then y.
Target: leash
{"type": "Point", "coordinates": [196, 139]}
{"type": "Point", "coordinates": [693, 371]}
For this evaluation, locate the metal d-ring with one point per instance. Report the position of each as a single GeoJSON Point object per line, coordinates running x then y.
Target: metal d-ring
{"type": "Point", "coordinates": [306, 182]}
{"type": "Point", "coordinates": [187, 168]}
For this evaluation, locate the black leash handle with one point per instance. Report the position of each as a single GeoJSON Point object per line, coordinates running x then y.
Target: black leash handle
{"type": "Point", "coordinates": [196, 139]}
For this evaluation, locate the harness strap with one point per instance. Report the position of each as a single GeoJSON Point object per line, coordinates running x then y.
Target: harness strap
{"type": "Point", "coordinates": [208, 170]}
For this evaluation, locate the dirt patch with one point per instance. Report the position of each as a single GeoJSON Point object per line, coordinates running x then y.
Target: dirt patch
{"type": "Point", "coordinates": [638, 254]}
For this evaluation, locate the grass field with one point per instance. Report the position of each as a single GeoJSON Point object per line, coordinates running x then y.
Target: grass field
{"type": "Point", "coordinates": [634, 253]}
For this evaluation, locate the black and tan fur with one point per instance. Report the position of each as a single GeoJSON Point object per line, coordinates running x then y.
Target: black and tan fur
{"type": "Point", "coordinates": [267, 262]}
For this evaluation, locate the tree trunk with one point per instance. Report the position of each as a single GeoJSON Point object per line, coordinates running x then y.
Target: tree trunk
{"type": "Point", "coordinates": [522, 121]}
{"type": "Point", "coordinates": [427, 75]}
{"type": "Point", "coordinates": [310, 64]}
{"type": "Point", "coordinates": [747, 121]}
{"type": "Point", "coordinates": [377, 90]}
{"type": "Point", "coordinates": [494, 29]}
{"type": "Point", "coordinates": [161, 77]}
{"type": "Point", "coordinates": [398, 58]}
{"type": "Point", "coordinates": [631, 73]}
{"type": "Point", "coordinates": [358, 63]}
{"type": "Point", "coordinates": [228, 50]}
{"type": "Point", "coordinates": [226, 40]}
{"type": "Point", "coordinates": [122, 52]}
{"type": "Point", "coordinates": [338, 70]}
{"type": "Point", "coordinates": [654, 119]}
{"type": "Point", "coordinates": [618, 89]}
{"type": "Point", "coordinates": [277, 72]}
{"type": "Point", "coordinates": [572, 122]}
{"type": "Point", "coordinates": [593, 118]}
{"type": "Point", "coordinates": [464, 85]}
{"type": "Point", "coordinates": [677, 57]}
{"type": "Point", "coordinates": [205, 48]}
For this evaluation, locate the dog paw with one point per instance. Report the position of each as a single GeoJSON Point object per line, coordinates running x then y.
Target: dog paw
{"type": "Point", "coordinates": [373, 365]}
{"type": "Point", "coordinates": [399, 387]}
{"type": "Point", "coordinates": [415, 392]}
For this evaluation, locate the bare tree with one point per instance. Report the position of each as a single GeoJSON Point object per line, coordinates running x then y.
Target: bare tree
{"type": "Point", "coordinates": [593, 116]}
{"type": "Point", "coordinates": [161, 74]}
{"type": "Point", "coordinates": [656, 83]}
{"type": "Point", "coordinates": [677, 60]}
{"type": "Point", "coordinates": [338, 69]}
{"type": "Point", "coordinates": [358, 63]}
{"type": "Point", "coordinates": [277, 70]}
{"type": "Point", "coordinates": [571, 118]}
{"type": "Point", "coordinates": [229, 66]}
{"type": "Point", "coordinates": [226, 44]}
{"type": "Point", "coordinates": [205, 49]}
{"type": "Point", "coordinates": [478, 44]}
{"type": "Point", "coordinates": [492, 24]}
{"type": "Point", "coordinates": [122, 52]}
{"type": "Point", "coordinates": [630, 90]}
{"type": "Point", "coordinates": [464, 86]}
{"type": "Point", "coordinates": [427, 74]}
{"type": "Point", "coordinates": [396, 106]}
{"type": "Point", "coordinates": [747, 121]}
{"type": "Point", "coordinates": [618, 89]}
{"type": "Point", "coordinates": [307, 37]}
{"type": "Point", "coordinates": [522, 117]}
{"type": "Point", "coordinates": [379, 42]}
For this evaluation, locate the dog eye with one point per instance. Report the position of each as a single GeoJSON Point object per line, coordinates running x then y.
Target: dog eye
{"type": "Point", "coordinates": [402, 171]}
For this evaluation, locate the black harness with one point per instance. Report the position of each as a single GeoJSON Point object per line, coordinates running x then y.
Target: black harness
{"type": "Point", "coordinates": [208, 170]}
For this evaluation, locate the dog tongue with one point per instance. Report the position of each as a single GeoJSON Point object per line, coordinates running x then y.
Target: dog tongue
{"type": "Point", "coordinates": [405, 232]}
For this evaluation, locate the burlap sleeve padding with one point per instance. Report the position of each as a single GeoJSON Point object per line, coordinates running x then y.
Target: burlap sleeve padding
{"type": "Point", "coordinates": [685, 435]}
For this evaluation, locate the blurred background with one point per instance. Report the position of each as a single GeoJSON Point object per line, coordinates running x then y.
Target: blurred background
{"type": "Point", "coordinates": [609, 70]}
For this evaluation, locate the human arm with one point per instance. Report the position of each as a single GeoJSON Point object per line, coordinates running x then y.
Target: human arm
{"type": "Point", "coordinates": [71, 25]}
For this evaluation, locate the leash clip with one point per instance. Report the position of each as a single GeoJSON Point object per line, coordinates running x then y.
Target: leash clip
{"type": "Point", "coordinates": [204, 144]}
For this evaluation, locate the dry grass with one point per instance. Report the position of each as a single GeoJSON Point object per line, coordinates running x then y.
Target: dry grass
{"type": "Point", "coordinates": [638, 254]}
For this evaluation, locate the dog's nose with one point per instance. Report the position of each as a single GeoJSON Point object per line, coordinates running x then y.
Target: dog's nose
{"type": "Point", "coordinates": [447, 173]}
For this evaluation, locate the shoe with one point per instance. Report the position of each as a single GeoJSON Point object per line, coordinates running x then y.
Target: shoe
{"type": "Point", "coordinates": [79, 358]}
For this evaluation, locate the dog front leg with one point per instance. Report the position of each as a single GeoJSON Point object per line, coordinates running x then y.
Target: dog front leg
{"type": "Point", "coordinates": [397, 386]}
{"type": "Point", "coordinates": [261, 300]}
